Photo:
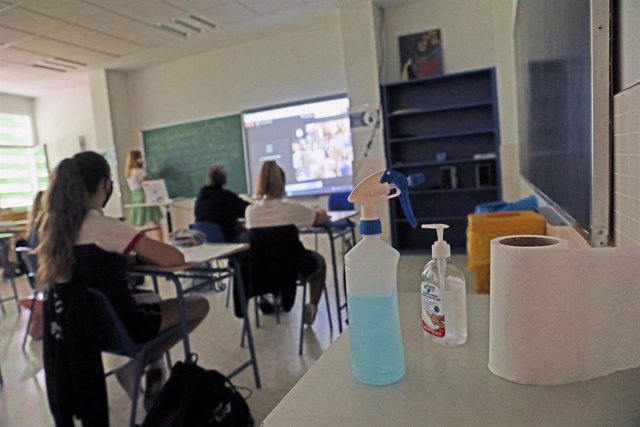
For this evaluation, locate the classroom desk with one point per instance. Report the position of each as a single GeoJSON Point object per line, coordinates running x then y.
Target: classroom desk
{"type": "Point", "coordinates": [330, 230]}
{"type": "Point", "coordinates": [195, 257]}
{"type": "Point", "coordinates": [17, 226]}
{"type": "Point", "coordinates": [5, 248]}
{"type": "Point", "coordinates": [451, 387]}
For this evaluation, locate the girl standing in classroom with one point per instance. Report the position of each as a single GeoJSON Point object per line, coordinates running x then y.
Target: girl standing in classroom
{"type": "Point", "coordinates": [135, 174]}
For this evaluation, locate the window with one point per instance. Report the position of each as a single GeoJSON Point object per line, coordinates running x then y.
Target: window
{"type": "Point", "coordinates": [23, 166]}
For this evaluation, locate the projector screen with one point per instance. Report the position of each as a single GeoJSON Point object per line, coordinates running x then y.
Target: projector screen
{"type": "Point", "coordinates": [310, 140]}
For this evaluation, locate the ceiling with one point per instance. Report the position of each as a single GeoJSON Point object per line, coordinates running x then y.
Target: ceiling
{"type": "Point", "coordinates": [52, 44]}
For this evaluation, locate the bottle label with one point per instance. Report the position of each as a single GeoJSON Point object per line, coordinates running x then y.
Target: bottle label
{"type": "Point", "coordinates": [432, 312]}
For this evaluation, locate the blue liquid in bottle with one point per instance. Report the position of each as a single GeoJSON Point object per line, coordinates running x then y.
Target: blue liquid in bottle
{"type": "Point", "coordinates": [377, 356]}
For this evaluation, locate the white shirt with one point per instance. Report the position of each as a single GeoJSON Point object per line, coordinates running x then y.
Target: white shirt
{"type": "Point", "coordinates": [135, 180]}
{"type": "Point", "coordinates": [275, 212]}
{"type": "Point", "coordinates": [107, 233]}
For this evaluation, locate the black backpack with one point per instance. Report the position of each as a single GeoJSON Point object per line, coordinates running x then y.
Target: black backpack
{"type": "Point", "coordinates": [195, 397]}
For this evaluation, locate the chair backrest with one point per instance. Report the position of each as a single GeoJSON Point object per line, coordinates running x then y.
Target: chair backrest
{"type": "Point", "coordinates": [339, 202]}
{"type": "Point", "coordinates": [276, 255]}
{"type": "Point", "coordinates": [211, 230]}
{"type": "Point", "coordinates": [114, 336]}
{"type": "Point", "coordinates": [31, 262]}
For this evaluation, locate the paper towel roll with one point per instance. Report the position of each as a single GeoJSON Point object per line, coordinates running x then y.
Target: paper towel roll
{"type": "Point", "coordinates": [560, 315]}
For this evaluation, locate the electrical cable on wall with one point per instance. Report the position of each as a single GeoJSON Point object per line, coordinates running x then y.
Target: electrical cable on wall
{"type": "Point", "coordinates": [368, 146]}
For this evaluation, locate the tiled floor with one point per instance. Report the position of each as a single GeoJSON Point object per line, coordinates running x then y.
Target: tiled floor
{"type": "Point", "coordinates": [23, 400]}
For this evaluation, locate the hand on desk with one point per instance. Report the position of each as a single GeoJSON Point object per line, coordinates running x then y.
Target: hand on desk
{"type": "Point", "coordinates": [321, 216]}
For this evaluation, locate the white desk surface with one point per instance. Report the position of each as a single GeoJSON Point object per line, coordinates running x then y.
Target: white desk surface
{"type": "Point", "coordinates": [195, 256]}
{"type": "Point", "coordinates": [450, 387]}
{"type": "Point", "coordinates": [340, 215]}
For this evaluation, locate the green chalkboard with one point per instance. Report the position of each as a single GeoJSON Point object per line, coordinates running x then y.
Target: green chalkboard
{"type": "Point", "coordinates": [182, 154]}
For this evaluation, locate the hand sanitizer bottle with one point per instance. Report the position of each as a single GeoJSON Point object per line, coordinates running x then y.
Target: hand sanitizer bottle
{"type": "Point", "coordinates": [377, 355]}
{"type": "Point", "coordinates": [443, 294]}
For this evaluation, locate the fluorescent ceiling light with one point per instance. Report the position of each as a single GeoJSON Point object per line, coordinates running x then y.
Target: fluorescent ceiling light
{"type": "Point", "coordinates": [185, 24]}
{"type": "Point", "coordinates": [68, 61]}
{"type": "Point", "coordinates": [202, 20]}
{"type": "Point", "coordinates": [169, 29]}
{"type": "Point", "coordinates": [46, 67]}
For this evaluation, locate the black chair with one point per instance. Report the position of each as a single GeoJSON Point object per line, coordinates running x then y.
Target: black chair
{"type": "Point", "coordinates": [115, 339]}
{"type": "Point", "coordinates": [31, 262]}
{"type": "Point", "coordinates": [276, 255]}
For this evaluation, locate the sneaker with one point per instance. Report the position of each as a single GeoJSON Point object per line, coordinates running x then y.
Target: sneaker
{"type": "Point", "coordinates": [309, 314]}
{"type": "Point", "coordinates": [153, 384]}
{"type": "Point", "coordinates": [266, 307]}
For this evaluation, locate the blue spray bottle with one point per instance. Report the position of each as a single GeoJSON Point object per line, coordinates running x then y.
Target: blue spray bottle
{"type": "Point", "coordinates": [377, 355]}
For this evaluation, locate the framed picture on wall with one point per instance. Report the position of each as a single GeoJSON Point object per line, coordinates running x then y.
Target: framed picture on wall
{"type": "Point", "coordinates": [421, 54]}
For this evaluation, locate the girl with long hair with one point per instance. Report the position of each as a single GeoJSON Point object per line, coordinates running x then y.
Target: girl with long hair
{"type": "Point", "coordinates": [272, 210]}
{"type": "Point", "coordinates": [135, 174]}
{"type": "Point", "coordinates": [79, 246]}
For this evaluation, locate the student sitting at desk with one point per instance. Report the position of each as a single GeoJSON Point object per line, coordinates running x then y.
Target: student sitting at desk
{"type": "Point", "coordinates": [79, 246]}
{"type": "Point", "coordinates": [218, 205]}
{"type": "Point", "coordinates": [135, 174]}
{"type": "Point", "coordinates": [271, 210]}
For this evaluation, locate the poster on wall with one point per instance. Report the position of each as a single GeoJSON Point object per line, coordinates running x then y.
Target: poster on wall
{"type": "Point", "coordinates": [421, 54]}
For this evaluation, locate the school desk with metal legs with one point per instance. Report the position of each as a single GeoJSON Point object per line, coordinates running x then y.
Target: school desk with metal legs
{"type": "Point", "coordinates": [8, 269]}
{"type": "Point", "coordinates": [333, 232]}
{"type": "Point", "coordinates": [194, 269]}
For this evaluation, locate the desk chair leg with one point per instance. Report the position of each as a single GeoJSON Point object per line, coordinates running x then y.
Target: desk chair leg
{"type": "Point", "coordinates": [304, 302]}
{"type": "Point", "coordinates": [336, 284]}
{"type": "Point", "coordinates": [326, 300]}
{"type": "Point", "coordinates": [4, 312]}
{"type": "Point", "coordinates": [8, 270]}
{"type": "Point", "coordinates": [256, 310]}
{"type": "Point", "coordinates": [247, 323]}
{"type": "Point", "coordinates": [1, 379]}
{"type": "Point", "coordinates": [229, 284]}
{"type": "Point", "coordinates": [26, 332]}
{"type": "Point", "coordinates": [136, 392]}
{"type": "Point", "coordinates": [155, 284]}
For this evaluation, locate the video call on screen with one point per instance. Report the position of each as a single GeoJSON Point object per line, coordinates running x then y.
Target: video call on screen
{"type": "Point", "coordinates": [310, 141]}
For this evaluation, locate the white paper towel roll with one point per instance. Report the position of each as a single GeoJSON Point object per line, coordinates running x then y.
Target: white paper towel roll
{"type": "Point", "coordinates": [561, 315]}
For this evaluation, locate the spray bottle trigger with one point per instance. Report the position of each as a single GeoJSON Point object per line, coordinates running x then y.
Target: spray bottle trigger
{"type": "Point", "coordinates": [400, 182]}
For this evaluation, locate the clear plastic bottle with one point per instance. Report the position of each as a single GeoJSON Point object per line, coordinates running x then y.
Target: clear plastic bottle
{"type": "Point", "coordinates": [377, 354]}
{"type": "Point", "coordinates": [443, 294]}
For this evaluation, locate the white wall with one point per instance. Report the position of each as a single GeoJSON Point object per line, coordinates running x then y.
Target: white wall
{"type": "Point", "coordinates": [63, 119]}
{"type": "Point", "coordinates": [466, 29]}
{"type": "Point", "coordinates": [295, 65]}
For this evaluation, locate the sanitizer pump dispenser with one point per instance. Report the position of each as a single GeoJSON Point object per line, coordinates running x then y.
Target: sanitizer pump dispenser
{"type": "Point", "coordinates": [377, 355]}
{"type": "Point", "coordinates": [443, 294]}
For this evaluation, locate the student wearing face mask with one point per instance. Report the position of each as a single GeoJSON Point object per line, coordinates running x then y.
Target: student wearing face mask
{"type": "Point", "coordinates": [135, 174]}
{"type": "Point", "coordinates": [79, 248]}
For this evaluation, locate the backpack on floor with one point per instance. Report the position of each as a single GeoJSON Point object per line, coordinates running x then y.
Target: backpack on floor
{"type": "Point", "coordinates": [195, 397]}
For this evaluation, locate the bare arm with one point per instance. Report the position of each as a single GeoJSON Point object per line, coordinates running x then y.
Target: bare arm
{"type": "Point", "coordinates": [154, 252]}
